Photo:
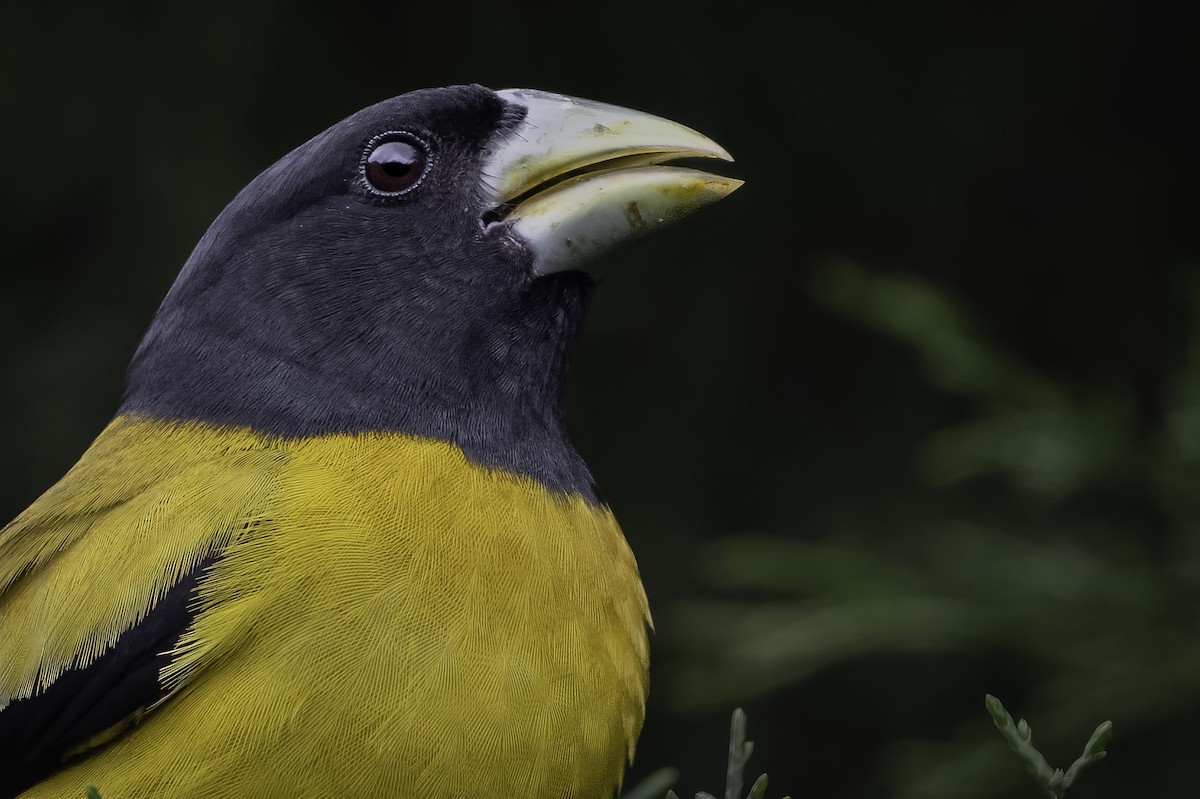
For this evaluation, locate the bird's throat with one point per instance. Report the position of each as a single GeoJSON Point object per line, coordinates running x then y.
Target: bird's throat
{"type": "Point", "coordinates": [496, 390]}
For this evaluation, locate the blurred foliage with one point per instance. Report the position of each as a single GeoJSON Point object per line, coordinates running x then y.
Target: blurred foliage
{"type": "Point", "coordinates": [1106, 621]}
{"type": "Point", "coordinates": [654, 786]}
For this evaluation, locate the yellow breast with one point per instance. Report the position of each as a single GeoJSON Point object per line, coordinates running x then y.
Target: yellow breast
{"type": "Point", "coordinates": [383, 618]}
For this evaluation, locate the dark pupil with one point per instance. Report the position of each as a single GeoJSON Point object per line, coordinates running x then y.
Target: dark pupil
{"type": "Point", "coordinates": [395, 166]}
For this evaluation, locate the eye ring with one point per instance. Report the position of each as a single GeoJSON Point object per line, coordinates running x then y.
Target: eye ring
{"type": "Point", "coordinates": [394, 163]}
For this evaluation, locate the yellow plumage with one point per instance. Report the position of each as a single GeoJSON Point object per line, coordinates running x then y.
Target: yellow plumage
{"type": "Point", "coordinates": [380, 616]}
{"type": "Point", "coordinates": [336, 542]}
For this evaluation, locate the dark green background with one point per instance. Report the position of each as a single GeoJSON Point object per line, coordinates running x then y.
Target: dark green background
{"type": "Point", "coordinates": [912, 417]}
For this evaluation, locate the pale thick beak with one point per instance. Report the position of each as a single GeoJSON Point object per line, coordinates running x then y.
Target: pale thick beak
{"type": "Point", "coordinates": [577, 177]}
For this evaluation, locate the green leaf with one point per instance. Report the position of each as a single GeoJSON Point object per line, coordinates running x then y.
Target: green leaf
{"type": "Point", "coordinates": [1093, 750]}
{"type": "Point", "coordinates": [739, 752]}
{"type": "Point", "coordinates": [1020, 739]}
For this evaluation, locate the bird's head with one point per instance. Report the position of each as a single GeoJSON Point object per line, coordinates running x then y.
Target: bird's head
{"type": "Point", "coordinates": [417, 268]}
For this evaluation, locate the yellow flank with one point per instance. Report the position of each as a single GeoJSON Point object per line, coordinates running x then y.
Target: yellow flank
{"type": "Point", "coordinates": [383, 618]}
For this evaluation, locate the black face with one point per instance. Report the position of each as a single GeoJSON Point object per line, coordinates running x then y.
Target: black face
{"type": "Point", "coordinates": [354, 286]}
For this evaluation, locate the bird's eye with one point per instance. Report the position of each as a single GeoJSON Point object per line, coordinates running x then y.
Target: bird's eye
{"type": "Point", "coordinates": [393, 167]}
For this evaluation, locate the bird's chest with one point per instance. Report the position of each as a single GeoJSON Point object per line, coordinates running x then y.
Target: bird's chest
{"type": "Point", "coordinates": [448, 621]}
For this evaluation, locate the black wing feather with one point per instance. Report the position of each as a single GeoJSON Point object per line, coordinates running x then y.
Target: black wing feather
{"type": "Point", "coordinates": [38, 733]}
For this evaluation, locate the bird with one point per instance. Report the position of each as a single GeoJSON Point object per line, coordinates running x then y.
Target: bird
{"type": "Point", "coordinates": [335, 541]}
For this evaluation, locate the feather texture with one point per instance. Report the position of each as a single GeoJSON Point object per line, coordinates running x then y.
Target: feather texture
{"type": "Point", "coordinates": [380, 617]}
{"type": "Point", "coordinates": [337, 542]}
